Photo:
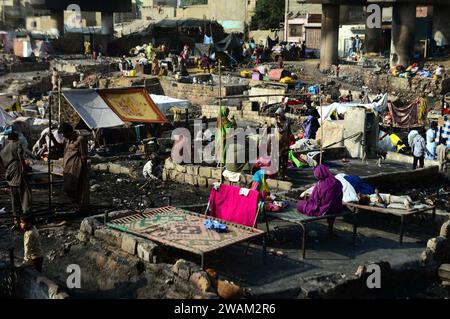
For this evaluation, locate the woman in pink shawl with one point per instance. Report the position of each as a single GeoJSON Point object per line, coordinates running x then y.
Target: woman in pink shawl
{"type": "Point", "coordinates": [326, 197]}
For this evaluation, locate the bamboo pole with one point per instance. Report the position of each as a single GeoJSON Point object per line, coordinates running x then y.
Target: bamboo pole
{"type": "Point", "coordinates": [321, 127]}
{"type": "Point", "coordinates": [49, 162]}
{"type": "Point", "coordinates": [259, 95]}
{"type": "Point", "coordinates": [220, 121]}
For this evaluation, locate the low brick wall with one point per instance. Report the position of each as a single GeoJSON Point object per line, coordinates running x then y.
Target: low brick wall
{"type": "Point", "coordinates": [405, 179]}
{"type": "Point", "coordinates": [205, 176]}
{"type": "Point", "coordinates": [93, 228]}
{"type": "Point", "coordinates": [198, 93]}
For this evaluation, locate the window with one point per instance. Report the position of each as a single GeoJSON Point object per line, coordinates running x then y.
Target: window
{"type": "Point", "coordinates": [296, 30]}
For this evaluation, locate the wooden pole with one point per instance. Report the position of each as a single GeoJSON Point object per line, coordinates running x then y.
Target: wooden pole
{"type": "Point", "coordinates": [259, 95]}
{"type": "Point", "coordinates": [321, 127]}
{"type": "Point", "coordinates": [220, 121]}
{"type": "Point", "coordinates": [59, 99]}
{"type": "Point", "coordinates": [49, 161]}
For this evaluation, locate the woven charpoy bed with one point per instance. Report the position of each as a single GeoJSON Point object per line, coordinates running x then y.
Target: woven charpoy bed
{"type": "Point", "coordinates": [291, 215]}
{"type": "Point", "coordinates": [184, 230]}
{"type": "Point", "coordinates": [402, 213]}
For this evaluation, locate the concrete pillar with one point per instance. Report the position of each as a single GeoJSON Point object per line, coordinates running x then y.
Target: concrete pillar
{"type": "Point", "coordinates": [441, 25]}
{"type": "Point", "coordinates": [403, 29]}
{"type": "Point", "coordinates": [57, 18]}
{"type": "Point", "coordinates": [329, 36]}
{"type": "Point", "coordinates": [108, 23]}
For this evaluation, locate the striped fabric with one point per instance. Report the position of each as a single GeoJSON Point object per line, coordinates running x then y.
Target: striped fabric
{"type": "Point", "coordinates": [445, 131]}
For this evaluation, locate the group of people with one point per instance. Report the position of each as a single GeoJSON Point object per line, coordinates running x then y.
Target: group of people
{"type": "Point", "coordinates": [15, 169]}
{"type": "Point", "coordinates": [430, 147]}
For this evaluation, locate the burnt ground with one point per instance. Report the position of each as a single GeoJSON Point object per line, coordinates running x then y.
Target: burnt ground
{"type": "Point", "coordinates": [111, 274]}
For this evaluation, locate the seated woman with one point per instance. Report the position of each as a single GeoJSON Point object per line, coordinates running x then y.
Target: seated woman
{"type": "Point", "coordinates": [326, 197]}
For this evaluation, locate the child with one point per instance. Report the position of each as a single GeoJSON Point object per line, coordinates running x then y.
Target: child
{"type": "Point", "coordinates": [31, 243]}
{"type": "Point", "coordinates": [441, 152]}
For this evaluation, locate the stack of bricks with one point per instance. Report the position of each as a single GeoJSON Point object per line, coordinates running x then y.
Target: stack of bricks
{"type": "Point", "coordinates": [205, 176]}
{"type": "Point", "coordinates": [212, 111]}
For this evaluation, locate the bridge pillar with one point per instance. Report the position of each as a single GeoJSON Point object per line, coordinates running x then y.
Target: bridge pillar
{"type": "Point", "coordinates": [329, 36]}
{"type": "Point", "coordinates": [108, 23]}
{"type": "Point", "coordinates": [403, 29]}
{"type": "Point", "coordinates": [57, 18]}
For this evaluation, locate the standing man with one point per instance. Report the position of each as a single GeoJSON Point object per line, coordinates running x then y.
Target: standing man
{"type": "Point", "coordinates": [76, 169]}
{"type": "Point", "coordinates": [442, 154]}
{"type": "Point", "coordinates": [418, 149]}
{"type": "Point", "coordinates": [13, 161]}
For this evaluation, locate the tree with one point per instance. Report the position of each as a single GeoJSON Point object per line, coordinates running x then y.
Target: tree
{"type": "Point", "coordinates": [268, 14]}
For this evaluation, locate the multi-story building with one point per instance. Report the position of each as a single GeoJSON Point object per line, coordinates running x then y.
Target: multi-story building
{"type": "Point", "coordinates": [156, 10]}
{"type": "Point", "coordinates": [233, 15]}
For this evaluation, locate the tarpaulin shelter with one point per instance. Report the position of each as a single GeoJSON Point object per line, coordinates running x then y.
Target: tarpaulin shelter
{"type": "Point", "coordinates": [114, 107]}
{"type": "Point", "coordinates": [5, 118]}
{"type": "Point", "coordinates": [341, 108]}
{"type": "Point", "coordinates": [177, 33]}
{"type": "Point", "coordinates": [231, 42]}
{"type": "Point", "coordinates": [41, 47]}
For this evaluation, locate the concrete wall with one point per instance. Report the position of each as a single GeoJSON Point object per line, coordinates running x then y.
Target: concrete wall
{"type": "Point", "coordinates": [151, 10]}
{"type": "Point", "coordinates": [232, 14]}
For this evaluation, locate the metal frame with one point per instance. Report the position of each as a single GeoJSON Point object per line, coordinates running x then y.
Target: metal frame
{"type": "Point", "coordinates": [396, 212]}
{"type": "Point", "coordinates": [304, 222]}
{"type": "Point", "coordinates": [115, 224]}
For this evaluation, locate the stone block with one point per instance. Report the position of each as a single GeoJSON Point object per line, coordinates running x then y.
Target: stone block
{"type": "Point", "coordinates": [202, 181]}
{"type": "Point", "coordinates": [272, 183]}
{"type": "Point", "coordinates": [109, 236]}
{"type": "Point", "coordinates": [190, 179]}
{"type": "Point", "coordinates": [180, 168]}
{"type": "Point", "coordinates": [202, 281]}
{"type": "Point", "coordinates": [184, 269]}
{"type": "Point", "coordinates": [173, 174]}
{"type": "Point", "coordinates": [168, 164]}
{"type": "Point", "coordinates": [216, 173]}
{"type": "Point", "coordinates": [88, 225]}
{"type": "Point", "coordinates": [180, 178]}
{"type": "Point", "coordinates": [284, 186]}
{"type": "Point", "coordinates": [83, 236]}
{"type": "Point", "coordinates": [445, 230]}
{"type": "Point", "coordinates": [434, 244]}
{"type": "Point", "coordinates": [192, 169]}
{"type": "Point", "coordinates": [129, 244]}
{"type": "Point", "coordinates": [146, 250]}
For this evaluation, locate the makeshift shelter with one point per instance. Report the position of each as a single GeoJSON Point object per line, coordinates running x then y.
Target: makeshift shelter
{"type": "Point", "coordinates": [177, 33]}
{"type": "Point", "coordinates": [341, 108]}
{"type": "Point", "coordinates": [41, 48]}
{"type": "Point", "coordinates": [230, 43]}
{"type": "Point", "coordinates": [113, 107]}
{"type": "Point", "coordinates": [5, 118]}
